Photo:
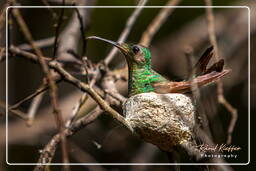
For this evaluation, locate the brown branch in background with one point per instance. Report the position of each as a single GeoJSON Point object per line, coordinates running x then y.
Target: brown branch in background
{"type": "Point", "coordinates": [2, 13]}
{"type": "Point", "coordinates": [57, 30]}
{"type": "Point", "coordinates": [54, 15]}
{"type": "Point", "coordinates": [49, 150]}
{"type": "Point", "coordinates": [86, 88]}
{"type": "Point", "coordinates": [108, 84]}
{"type": "Point", "coordinates": [2, 54]}
{"type": "Point", "coordinates": [41, 89]}
{"type": "Point", "coordinates": [53, 92]}
{"type": "Point", "coordinates": [157, 22]}
{"type": "Point", "coordinates": [221, 98]}
{"type": "Point", "coordinates": [201, 117]}
{"type": "Point", "coordinates": [128, 26]}
{"type": "Point", "coordinates": [76, 109]}
{"type": "Point", "coordinates": [71, 34]}
{"type": "Point", "coordinates": [66, 39]}
{"type": "Point", "coordinates": [82, 30]}
{"type": "Point", "coordinates": [80, 85]}
{"type": "Point", "coordinates": [29, 56]}
{"type": "Point", "coordinates": [33, 108]}
{"type": "Point", "coordinates": [42, 43]}
{"type": "Point", "coordinates": [189, 54]}
{"type": "Point", "coordinates": [86, 67]}
{"type": "Point", "coordinates": [15, 112]}
{"type": "Point", "coordinates": [37, 94]}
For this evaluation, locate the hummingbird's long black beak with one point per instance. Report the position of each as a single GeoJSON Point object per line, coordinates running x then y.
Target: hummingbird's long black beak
{"type": "Point", "coordinates": [118, 45]}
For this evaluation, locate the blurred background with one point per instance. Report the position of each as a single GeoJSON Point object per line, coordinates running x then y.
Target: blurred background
{"type": "Point", "coordinates": [104, 141]}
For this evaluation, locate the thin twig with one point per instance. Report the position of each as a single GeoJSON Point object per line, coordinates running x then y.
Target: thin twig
{"type": "Point", "coordinates": [2, 54]}
{"type": "Point", "coordinates": [77, 108]}
{"type": "Point", "coordinates": [33, 108]}
{"type": "Point", "coordinates": [201, 117]}
{"type": "Point", "coordinates": [43, 43]}
{"type": "Point", "coordinates": [2, 12]}
{"type": "Point", "coordinates": [17, 113]}
{"type": "Point", "coordinates": [49, 150]}
{"type": "Point", "coordinates": [157, 23]}
{"type": "Point", "coordinates": [71, 34]}
{"type": "Point", "coordinates": [80, 85]}
{"type": "Point", "coordinates": [82, 30]}
{"type": "Point", "coordinates": [109, 87]}
{"type": "Point", "coordinates": [221, 98]}
{"type": "Point", "coordinates": [189, 53]}
{"type": "Point", "coordinates": [128, 26]}
{"type": "Point", "coordinates": [47, 72]}
{"type": "Point", "coordinates": [54, 15]}
{"type": "Point", "coordinates": [57, 30]}
{"type": "Point", "coordinates": [87, 88]}
{"type": "Point", "coordinates": [14, 50]}
{"type": "Point", "coordinates": [86, 67]}
{"type": "Point", "coordinates": [41, 89]}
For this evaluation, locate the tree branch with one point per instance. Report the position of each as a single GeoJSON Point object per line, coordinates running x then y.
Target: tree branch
{"type": "Point", "coordinates": [49, 150]}
{"type": "Point", "coordinates": [47, 72]}
{"type": "Point", "coordinates": [128, 26]}
{"type": "Point", "coordinates": [221, 98]}
{"type": "Point", "coordinates": [157, 23]}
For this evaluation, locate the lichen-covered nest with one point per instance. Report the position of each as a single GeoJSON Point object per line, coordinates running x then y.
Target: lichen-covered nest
{"type": "Point", "coordinates": [165, 120]}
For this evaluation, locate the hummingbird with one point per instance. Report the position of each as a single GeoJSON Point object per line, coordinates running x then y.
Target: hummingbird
{"type": "Point", "coordinates": [143, 79]}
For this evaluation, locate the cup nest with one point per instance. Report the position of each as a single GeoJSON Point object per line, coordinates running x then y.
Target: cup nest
{"type": "Point", "coordinates": [165, 120]}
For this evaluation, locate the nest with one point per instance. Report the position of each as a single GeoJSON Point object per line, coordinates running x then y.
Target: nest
{"type": "Point", "coordinates": [165, 120]}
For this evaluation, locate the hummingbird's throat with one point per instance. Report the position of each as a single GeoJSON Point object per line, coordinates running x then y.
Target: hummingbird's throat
{"type": "Point", "coordinates": [141, 79]}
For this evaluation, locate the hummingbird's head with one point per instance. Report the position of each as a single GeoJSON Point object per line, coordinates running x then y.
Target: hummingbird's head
{"type": "Point", "coordinates": [134, 54]}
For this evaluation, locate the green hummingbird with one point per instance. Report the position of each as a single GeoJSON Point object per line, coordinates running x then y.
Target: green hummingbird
{"type": "Point", "coordinates": [143, 79]}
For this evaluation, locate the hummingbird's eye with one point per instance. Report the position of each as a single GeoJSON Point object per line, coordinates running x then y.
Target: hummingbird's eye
{"type": "Point", "coordinates": [135, 49]}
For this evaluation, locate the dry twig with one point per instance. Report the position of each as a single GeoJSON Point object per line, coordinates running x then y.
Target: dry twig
{"type": "Point", "coordinates": [43, 43]}
{"type": "Point", "coordinates": [46, 3]}
{"type": "Point", "coordinates": [128, 26]}
{"type": "Point", "coordinates": [49, 150]}
{"type": "Point", "coordinates": [82, 30]}
{"type": "Point", "coordinates": [71, 34]}
{"type": "Point", "coordinates": [201, 116]}
{"type": "Point", "coordinates": [57, 30]}
{"type": "Point", "coordinates": [77, 108]}
{"type": "Point", "coordinates": [34, 107]}
{"type": "Point", "coordinates": [87, 88]}
{"type": "Point", "coordinates": [16, 112]}
{"type": "Point", "coordinates": [80, 85]}
{"type": "Point", "coordinates": [157, 23]}
{"type": "Point", "coordinates": [47, 72]}
{"type": "Point", "coordinates": [221, 98]}
{"type": "Point", "coordinates": [41, 89]}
